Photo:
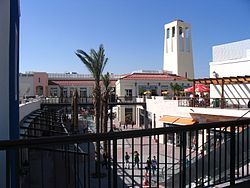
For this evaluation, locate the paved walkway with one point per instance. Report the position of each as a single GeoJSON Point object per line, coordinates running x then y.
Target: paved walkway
{"type": "Point", "coordinates": [60, 170]}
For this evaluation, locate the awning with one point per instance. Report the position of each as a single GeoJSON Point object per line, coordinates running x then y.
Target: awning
{"type": "Point", "coordinates": [178, 120]}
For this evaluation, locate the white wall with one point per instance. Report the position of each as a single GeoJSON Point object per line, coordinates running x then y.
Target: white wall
{"type": "Point", "coordinates": [230, 51]}
{"type": "Point", "coordinates": [161, 107]}
{"type": "Point", "coordinates": [4, 81]}
{"type": "Point", "coordinates": [231, 60]}
{"type": "Point", "coordinates": [236, 67]}
{"type": "Point", "coordinates": [26, 108]}
{"type": "Point", "coordinates": [26, 85]}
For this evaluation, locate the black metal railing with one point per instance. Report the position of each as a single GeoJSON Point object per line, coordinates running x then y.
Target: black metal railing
{"type": "Point", "coordinates": [206, 155]}
{"type": "Point", "coordinates": [86, 100]}
{"type": "Point", "coordinates": [229, 103]}
{"type": "Point", "coordinates": [65, 100]}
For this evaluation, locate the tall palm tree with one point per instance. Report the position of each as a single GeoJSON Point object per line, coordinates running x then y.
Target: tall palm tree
{"type": "Point", "coordinates": [176, 88]}
{"type": "Point", "coordinates": [95, 62]}
{"type": "Point", "coordinates": [105, 98]}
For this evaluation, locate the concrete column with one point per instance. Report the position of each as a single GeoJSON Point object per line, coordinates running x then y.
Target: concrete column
{"type": "Point", "coordinates": [9, 74]}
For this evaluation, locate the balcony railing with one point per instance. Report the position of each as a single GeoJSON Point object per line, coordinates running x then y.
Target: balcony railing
{"type": "Point", "coordinates": [66, 100]}
{"type": "Point", "coordinates": [87, 100]}
{"type": "Point", "coordinates": [207, 155]}
{"type": "Point", "coordinates": [229, 103]}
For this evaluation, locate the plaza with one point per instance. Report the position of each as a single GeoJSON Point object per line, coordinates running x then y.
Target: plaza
{"type": "Point", "coordinates": [74, 130]}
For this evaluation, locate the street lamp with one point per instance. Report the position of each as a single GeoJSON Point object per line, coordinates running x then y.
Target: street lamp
{"type": "Point", "coordinates": [215, 74]}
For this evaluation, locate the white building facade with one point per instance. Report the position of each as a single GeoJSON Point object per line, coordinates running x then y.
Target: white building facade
{"type": "Point", "coordinates": [232, 59]}
{"type": "Point", "coordinates": [138, 84]}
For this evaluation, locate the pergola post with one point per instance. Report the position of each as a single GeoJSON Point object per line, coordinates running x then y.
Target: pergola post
{"type": "Point", "coordinates": [222, 103]}
{"type": "Point", "coordinates": [193, 100]}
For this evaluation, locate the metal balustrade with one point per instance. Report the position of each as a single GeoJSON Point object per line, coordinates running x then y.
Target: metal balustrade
{"type": "Point", "coordinates": [208, 155]}
{"type": "Point", "coordinates": [228, 103]}
{"type": "Point", "coordinates": [86, 100]}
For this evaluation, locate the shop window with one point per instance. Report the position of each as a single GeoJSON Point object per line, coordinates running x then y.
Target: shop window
{"type": "Point", "coordinates": [128, 115]}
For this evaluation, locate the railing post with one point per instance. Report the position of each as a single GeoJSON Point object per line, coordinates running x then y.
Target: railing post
{"type": "Point", "coordinates": [114, 163]}
{"type": "Point", "coordinates": [184, 146]}
{"type": "Point", "coordinates": [145, 116]}
{"type": "Point", "coordinates": [111, 119]}
{"type": "Point", "coordinates": [232, 155]}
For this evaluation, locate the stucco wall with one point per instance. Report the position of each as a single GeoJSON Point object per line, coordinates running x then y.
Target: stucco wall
{"type": "Point", "coordinates": [41, 79]}
{"type": "Point", "coordinates": [26, 108]}
{"type": "Point", "coordinates": [229, 51]}
{"type": "Point", "coordinates": [233, 67]}
{"type": "Point", "coordinates": [26, 83]}
{"type": "Point", "coordinates": [4, 82]}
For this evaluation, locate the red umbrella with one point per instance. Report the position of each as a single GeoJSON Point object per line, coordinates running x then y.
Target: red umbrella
{"type": "Point", "coordinates": [198, 88]}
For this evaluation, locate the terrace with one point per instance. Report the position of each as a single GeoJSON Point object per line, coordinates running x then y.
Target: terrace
{"type": "Point", "coordinates": [50, 156]}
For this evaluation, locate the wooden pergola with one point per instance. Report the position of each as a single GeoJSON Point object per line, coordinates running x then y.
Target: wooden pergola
{"type": "Point", "coordinates": [222, 82]}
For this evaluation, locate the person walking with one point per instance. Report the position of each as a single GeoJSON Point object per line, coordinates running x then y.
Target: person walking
{"type": "Point", "coordinates": [105, 160]}
{"type": "Point", "coordinates": [148, 165]}
{"type": "Point", "coordinates": [127, 157]}
{"type": "Point", "coordinates": [136, 159]}
{"type": "Point", "coordinates": [154, 164]}
{"type": "Point", "coordinates": [133, 124]}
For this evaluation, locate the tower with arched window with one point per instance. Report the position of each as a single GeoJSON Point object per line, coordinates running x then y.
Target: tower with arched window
{"type": "Point", "coordinates": [178, 55]}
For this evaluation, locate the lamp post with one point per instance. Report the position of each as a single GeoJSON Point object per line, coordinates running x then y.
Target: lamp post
{"type": "Point", "coordinates": [215, 74]}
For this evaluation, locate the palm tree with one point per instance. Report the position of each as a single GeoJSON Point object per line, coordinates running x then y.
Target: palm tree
{"type": "Point", "coordinates": [95, 62]}
{"type": "Point", "coordinates": [176, 88]}
{"type": "Point", "coordinates": [105, 98]}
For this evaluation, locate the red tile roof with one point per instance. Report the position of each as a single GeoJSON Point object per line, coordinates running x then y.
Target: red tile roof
{"type": "Point", "coordinates": [143, 76]}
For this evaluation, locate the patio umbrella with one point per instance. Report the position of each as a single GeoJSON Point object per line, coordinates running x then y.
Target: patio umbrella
{"type": "Point", "coordinates": [198, 88]}
{"type": "Point", "coordinates": [164, 92]}
{"type": "Point", "coordinates": [147, 92]}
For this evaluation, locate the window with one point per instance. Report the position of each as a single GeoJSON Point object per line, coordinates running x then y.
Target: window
{"type": "Point", "coordinates": [39, 80]}
{"type": "Point", "coordinates": [65, 92]}
{"type": "Point", "coordinates": [173, 31]}
{"type": "Point", "coordinates": [128, 92]}
{"type": "Point", "coordinates": [83, 92]}
{"type": "Point", "coordinates": [128, 115]}
{"type": "Point", "coordinates": [168, 33]}
{"type": "Point", "coordinates": [71, 91]}
{"type": "Point", "coordinates": [54, 91]}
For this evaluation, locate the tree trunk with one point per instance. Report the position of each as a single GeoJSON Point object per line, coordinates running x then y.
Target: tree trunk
{"type": "Point", "coordinates": [105, 122]}
{"type": "Point", "coordinates": [97, 95]}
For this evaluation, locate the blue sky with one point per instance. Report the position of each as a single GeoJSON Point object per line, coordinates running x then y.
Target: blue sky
{"type": "Point", "coordinates": [132, 31]}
